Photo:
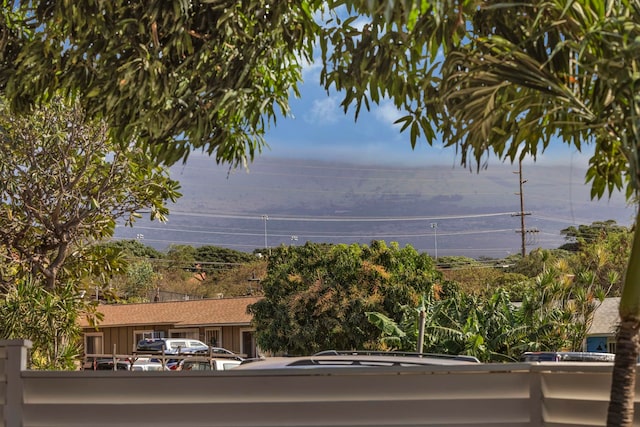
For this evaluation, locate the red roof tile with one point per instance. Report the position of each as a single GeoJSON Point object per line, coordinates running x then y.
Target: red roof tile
{"type": "Point", "coordinates": [221, 311]}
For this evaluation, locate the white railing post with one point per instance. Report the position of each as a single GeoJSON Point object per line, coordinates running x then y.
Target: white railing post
{"type": "Point", "coordinates": [13, 360]}
{"type": "Point", "coordinates": [536, 398]}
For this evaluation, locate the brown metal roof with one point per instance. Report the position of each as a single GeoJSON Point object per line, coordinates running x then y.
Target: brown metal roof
{"type": "Point", "coordinates": [220, 311]}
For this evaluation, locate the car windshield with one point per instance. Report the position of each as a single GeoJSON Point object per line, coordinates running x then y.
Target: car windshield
{"type": "Point", "coordinates": [151, 345]}
{"type": "Point", "coordinates": [218, 350]}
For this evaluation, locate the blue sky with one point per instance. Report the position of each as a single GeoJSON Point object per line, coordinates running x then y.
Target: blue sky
{"type": "Point", "coordinates": [319, 129]}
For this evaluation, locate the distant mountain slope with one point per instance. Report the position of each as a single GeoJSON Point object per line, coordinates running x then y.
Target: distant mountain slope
{"type": "Point", "coordinates": [345, 203]}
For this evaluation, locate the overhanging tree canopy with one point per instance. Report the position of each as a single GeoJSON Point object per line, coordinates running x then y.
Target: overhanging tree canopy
{"type": "Point", "coordinates": [179, 74]}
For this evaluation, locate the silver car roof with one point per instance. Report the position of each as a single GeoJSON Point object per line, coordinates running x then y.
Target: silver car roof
{"type": "Point", "coordinates": [332, 361]}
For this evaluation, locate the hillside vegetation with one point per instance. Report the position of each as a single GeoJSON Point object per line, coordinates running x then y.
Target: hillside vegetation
{"type": "Point", "coordinates": [593, 254]}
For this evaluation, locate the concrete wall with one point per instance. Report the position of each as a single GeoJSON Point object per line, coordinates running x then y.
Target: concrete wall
{"type": "Point", "coordinates": [514, 395]}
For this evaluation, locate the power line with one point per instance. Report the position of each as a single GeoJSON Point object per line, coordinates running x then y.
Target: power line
{"type": "Point", "coordinates": [338, 218]}
{"type": "Point", "coordinates": [231, 236]}
{"type": "Point", "coordinates": [237, 233]}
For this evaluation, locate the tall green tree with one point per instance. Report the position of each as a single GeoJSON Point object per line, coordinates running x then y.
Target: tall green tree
{"type": "Point", "coordinates": [140, 280]}
{"type": "Point", "coordinates": [63, 184]}
{"type": "Point", "coordinates": [316, 296]}
{"type": "Point", "coordinates": [517, 76]}
{"type": "Point", "coordinates": [181, 257]}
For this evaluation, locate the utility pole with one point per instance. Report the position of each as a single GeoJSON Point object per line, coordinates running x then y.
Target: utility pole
{"type": "Point", "coordinates": [523, 231]}
{"type": "Point", "coordinates": [265, 218]}
{"type": "Point", "coordinates": [434, 225]}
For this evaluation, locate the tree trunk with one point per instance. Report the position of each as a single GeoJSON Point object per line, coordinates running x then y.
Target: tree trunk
{"type": "Point", "coordinates": [623, 380]}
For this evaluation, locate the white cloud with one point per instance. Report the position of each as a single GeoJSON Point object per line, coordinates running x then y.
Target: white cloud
{"type": "Point", "coordinates": [387, 112]}
{"type": "Point", "coordinates": [311, 70]}
{"type": "Point", "coordinates": [323, 111]}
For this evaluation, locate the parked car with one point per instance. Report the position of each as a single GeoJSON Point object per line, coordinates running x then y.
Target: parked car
{"type": "Point", "coordinates": [462, 357]}
{"type": "Point", "coordinates": [223, 352]}
{"type": "Point", "coordinates": [364, 359]}
{"type": "Point", "coordinates": [179, 348]}
{"type": "Point", "coordinates": [108, 365]}
{"type": "Point", "coordinates": [172, 346]}
{"type": "Point", "coordinates": [126, 365]}
{"type": "Point", "coordinates": [148, 365]}
{"type": "Point", "coordinates": [198, 363]}
{"type": "Point", "coordinates": [567, 356]}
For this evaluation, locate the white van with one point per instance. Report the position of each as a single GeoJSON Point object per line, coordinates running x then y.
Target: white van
{"type": "Point", "coordinates": [172, 346]}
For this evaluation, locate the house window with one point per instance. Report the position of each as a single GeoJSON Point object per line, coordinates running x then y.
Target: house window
{"type": "Point", "coordinates": [93, 343]}
{"type": "Point", "coordinates": [247, 343]}
{"type": "Point", "coordinates": [193, 334]}
{"type": "Point", "coordinates": [143, 335]}
{"type": "Point", "coordinates": [213, 337]}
